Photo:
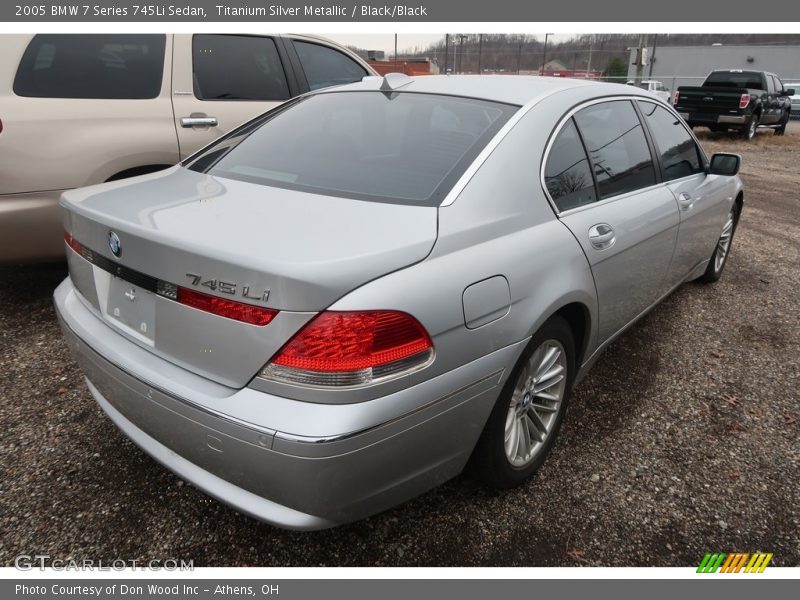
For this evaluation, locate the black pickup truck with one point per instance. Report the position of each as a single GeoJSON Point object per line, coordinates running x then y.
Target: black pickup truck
{"type": "Point", "coordinates": [738, 100]}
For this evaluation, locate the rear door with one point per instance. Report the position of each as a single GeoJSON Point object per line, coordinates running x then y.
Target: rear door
{"type": "Point", "coordinates": [221, 81]}
{"type": "Point", "coordinates": [703, 200]}
{"type": "Point", "coordinates": [603, 180]}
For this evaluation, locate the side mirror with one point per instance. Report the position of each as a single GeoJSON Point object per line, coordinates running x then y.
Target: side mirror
{"type": "Point", "coordinates": [723, 163]}
{"type": "Point", "coordinates": [789, 92]}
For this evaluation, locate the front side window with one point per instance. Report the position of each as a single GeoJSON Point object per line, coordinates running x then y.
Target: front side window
{"type": "Point", "coordinates": [617, 146]}
{"type": "Point", "coordinates": [680, 156]}
{"type": "Point", "coordinates": [237, 67]}
{"type": "Point", "coordinates": [118, 66]}
{"type": "Point", "coordinates": [325, 66]}
{"type": "Point", "coordinates": [567, 173]}
{"type": "Point", "coordinates": [405, 148]}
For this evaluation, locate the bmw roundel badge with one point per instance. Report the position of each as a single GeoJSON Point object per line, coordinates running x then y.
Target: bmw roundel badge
{"type": "Point", "coordinates": [114, 244]}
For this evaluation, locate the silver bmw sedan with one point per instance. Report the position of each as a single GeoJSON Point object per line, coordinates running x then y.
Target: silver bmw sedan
{"type": "Point", "coordinates": [349, 299]}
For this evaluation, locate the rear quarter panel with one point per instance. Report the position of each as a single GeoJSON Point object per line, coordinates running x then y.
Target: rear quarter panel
{"type": "Point", "coordinates": [500, 224]}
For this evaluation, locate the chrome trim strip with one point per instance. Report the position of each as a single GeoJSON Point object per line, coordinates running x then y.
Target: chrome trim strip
{"type": "Point", "coordinates": [569, 115]}
{"type": "Point", "coordinates": [338, 438]}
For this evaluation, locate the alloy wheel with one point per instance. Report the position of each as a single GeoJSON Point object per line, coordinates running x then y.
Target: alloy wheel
{"type": "Point", "coordinates": [724, 243]}
{"type": "Point", "coordinates": [535, 403]}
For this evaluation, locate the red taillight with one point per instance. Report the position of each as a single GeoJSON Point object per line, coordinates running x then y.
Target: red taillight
{"type": "Point", "coordinates": [1, 125]}
{"type": "Point", "coordinates": [352, 348]}
{"type": "Point", "coordinates": [676, 97]}
{"type": "Point", "coordinates": [744, 100]}
{"type": "Point", "coordinates": [73, 243]}
{"type": "Point", "coordinates": [238, 311]}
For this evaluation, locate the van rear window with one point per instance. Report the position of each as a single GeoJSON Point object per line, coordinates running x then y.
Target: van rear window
{"type": "Point", "coordinates": [119, 66]}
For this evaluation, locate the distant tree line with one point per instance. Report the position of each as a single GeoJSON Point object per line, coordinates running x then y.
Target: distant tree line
{"type": "Point", "coordinates": [607, 53]}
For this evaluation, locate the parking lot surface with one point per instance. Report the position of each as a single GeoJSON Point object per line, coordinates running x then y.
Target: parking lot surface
{"type": "Point", "coordinates": [684, 439]}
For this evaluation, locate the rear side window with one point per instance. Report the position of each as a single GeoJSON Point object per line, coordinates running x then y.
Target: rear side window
{"type": "Point", "coordinates": [567, 173]}
{"type": "Point", "coordinates": [325, 66]}
{"type": "Point", "coordinates": [92, 66]}
{"type": "Point", "coordinates": [405, 148]}
{"type": "Point", "coordinates": [237, 67]}
{"type": "Point", "coordinates": [617, 147]}
{"type": "Point", "coordinates": [679, 154]}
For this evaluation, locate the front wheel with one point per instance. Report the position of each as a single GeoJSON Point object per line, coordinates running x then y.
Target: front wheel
{"type": "Point", "coordinates": [722, 249]}
{"type": "Point", "coordinates": [523, 425]}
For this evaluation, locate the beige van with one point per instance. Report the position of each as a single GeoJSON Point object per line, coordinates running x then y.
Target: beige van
{"type": "Point", "coordinates": [82, 109]}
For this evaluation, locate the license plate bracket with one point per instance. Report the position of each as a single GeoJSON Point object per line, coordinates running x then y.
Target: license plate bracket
{"type": "Point", "coordinates": [132, 308]}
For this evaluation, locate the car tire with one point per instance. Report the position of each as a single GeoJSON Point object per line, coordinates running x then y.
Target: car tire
{"type": "Point", "coordinates": [722, 250]}
{"type": "Point", "coordinates": [525, 420]}
{"type": "Point", "coordinates": [781, 128]}
{"type": "Point", "coordinates": [749, 130]}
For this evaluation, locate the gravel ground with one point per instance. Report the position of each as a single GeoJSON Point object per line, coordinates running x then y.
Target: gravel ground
{"type": "Point", "coordinates": [682, 440]}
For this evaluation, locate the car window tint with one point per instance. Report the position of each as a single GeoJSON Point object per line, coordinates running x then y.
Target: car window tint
{"type": "Point", "coordinates": [617, 147]}
{"type": "Point", "coordinates": [405, 147]}
{"type": "Point", "coordinates": [325, 66]}
{"type": "Point", "coordinates": [237, 67]}
{"type": "Point", "coordinates": [737, 79]}
{"type": "Point", "coordinates": [567, 173]}
{"type": "Point", "coordinates": [679, 154]}
{"type": "Point", "coordinates": [92, 66]}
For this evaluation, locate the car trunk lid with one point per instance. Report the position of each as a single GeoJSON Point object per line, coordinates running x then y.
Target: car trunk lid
{"type": "Point", "coordinates": [289, 251]}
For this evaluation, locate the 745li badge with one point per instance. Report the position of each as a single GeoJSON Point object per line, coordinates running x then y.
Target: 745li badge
{"type": "Point", "coordinates": [227, 288]}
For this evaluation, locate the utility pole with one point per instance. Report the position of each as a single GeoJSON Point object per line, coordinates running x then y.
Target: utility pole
{"type": "Point", "coordinates": [589, 64]}
{"type": "Point", "coordinates": [446, 48]}
{"type": "Point", "coordinates": [461, 52]}
{"type": "Point", "coordinates": [480, 54]}
{"type": "Point", "coordinates": [652, 57]}
{"type": "Point", "coordinates": [395, 52]}
{"type": "Point", "coordinates": [519, 57]}
{"type": "Point", "coordinates": [544, 54]}
{"type": "Point", "coordinates": [640, 58]}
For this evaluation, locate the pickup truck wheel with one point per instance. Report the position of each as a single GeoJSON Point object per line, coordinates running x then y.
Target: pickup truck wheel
{"type": "Point", "coordinates": [749, 131]}
{"type": "Point", "coordinates": [522, 427]}
{"type": "Point", "coordinates": [781, 128]}
{"type": "Point", "coordinates": [722, 249]}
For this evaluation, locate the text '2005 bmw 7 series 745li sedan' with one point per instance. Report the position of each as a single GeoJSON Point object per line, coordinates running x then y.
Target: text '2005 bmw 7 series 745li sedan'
{"type": "Point", "coordinates": [347, 300]}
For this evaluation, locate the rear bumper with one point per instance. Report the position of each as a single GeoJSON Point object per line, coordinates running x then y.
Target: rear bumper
{"type": "Point", "coordinates": [365, 462]}
{"type": "Point", "coordinates": [30, 228]}
{"type": "Point", "coordinates": [712, 118]}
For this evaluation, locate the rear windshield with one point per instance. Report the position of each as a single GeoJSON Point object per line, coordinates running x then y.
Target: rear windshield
{"type": "Point", "coordinates": [736, 79]}
{"type": "Point", "coordinates": [402, 147]}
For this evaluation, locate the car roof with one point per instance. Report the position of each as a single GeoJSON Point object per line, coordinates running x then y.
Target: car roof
{"type": "Point", "coordinates": [511, 89]}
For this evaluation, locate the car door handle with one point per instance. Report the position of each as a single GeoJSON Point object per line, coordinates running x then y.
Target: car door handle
{"type": "Point", "coordinates": [199, 122]}
{"type": "Point", "coordinates": [602, 236]}
{"type": "Point", "coordinates": [685, 201]}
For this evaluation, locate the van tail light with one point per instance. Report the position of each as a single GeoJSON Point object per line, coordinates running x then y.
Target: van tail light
{"type": "Point", "coordinates": [340, 349]}
{"type": "Point", "coordinates": [744, 100]}
{"type": "Point", "coordinates": [676, 97]}
{"type": "Point", "coordinates": [1, 125]}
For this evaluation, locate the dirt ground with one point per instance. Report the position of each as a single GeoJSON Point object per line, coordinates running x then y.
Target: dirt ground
{"type": "Point", "coordinates": [682, 440]}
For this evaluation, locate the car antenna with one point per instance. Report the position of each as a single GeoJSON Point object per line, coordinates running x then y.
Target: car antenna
{"type": "Point", "coordinates": [393, 81]}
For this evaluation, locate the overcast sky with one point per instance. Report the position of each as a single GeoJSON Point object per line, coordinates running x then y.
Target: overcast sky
{"type": "Point", "coordinates": [405, 41]}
